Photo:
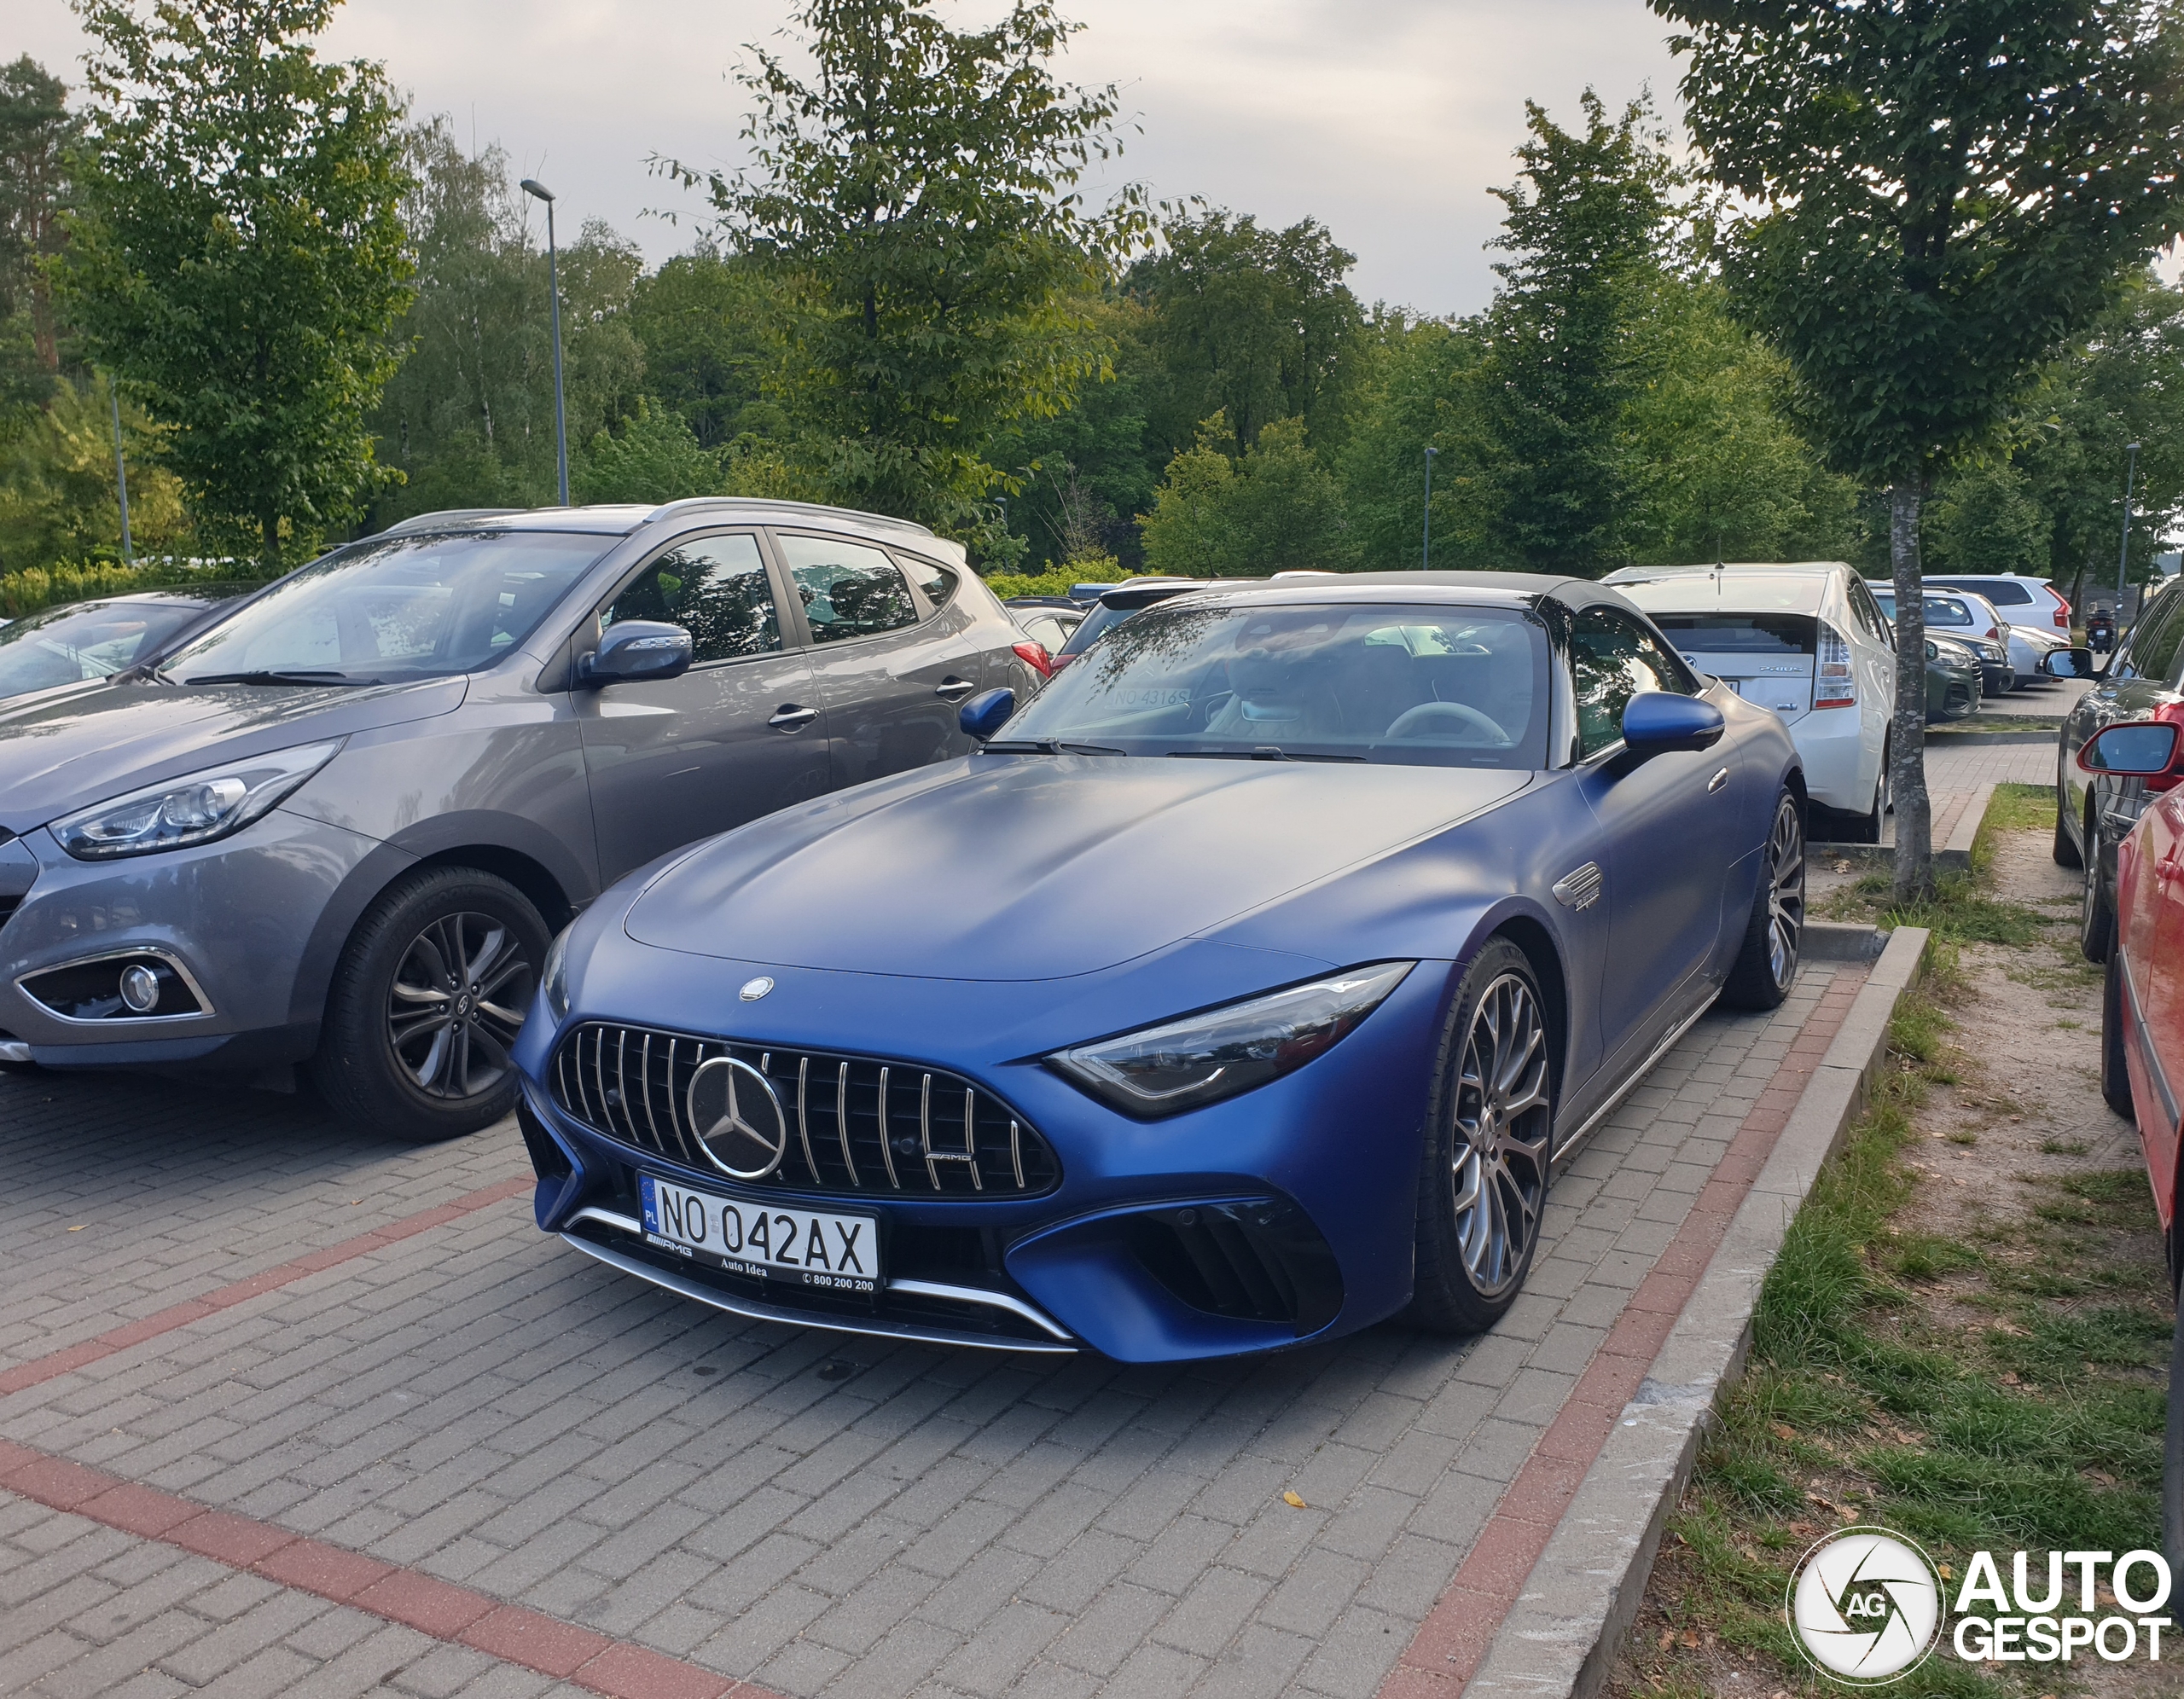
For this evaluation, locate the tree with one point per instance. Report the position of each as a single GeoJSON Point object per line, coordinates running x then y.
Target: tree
{"type": "Point", "coordinates": [1588, 223]}
{"type": "Point", "coordinates": [1276, 509]}
{"type": "Point", "coordinates": [924, 180]}
{"type": "Point", "coordinates": [711, 327]}
{"type": "Point", "coordinates": [238, 258]}
{"type": "Point", "coordinates": [469, 417]}
{"type": "Point", "coordinates": [37, 130]}
{"type": "Point", "coordinates": [1255, 325]}
{"type": "Point", "coordinates": [1945, 191]}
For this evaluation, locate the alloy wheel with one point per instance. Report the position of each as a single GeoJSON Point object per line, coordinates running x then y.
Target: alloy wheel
{"type": "Point", "coordinates": [459, 997]}
{"type": "Point", "coordinates": [1785, 892]}
{"type": "Point", "coordinates": [1504, 1118]}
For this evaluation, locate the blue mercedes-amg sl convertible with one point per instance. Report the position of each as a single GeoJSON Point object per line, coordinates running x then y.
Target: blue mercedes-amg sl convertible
{"type": "Point", "coordinates": [1243, 989]}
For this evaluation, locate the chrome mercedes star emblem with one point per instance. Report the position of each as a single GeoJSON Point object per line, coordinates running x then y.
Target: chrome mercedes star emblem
{"type": "Point", "coordinates": [740, 1121]}
{"type": "Point", "coordinates": [754, 989]}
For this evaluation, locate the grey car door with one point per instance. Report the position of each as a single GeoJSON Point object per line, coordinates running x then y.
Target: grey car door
{"type": "Point", "coordinates": [894, 654]}
{"type": "Point", "coordinates": [737, 736]}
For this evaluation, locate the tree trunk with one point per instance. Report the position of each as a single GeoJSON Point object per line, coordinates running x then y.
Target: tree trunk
{"type": "Point", "coordinates": [1915, 846]}
{"type": "Point", "coordinates": [271, 524]}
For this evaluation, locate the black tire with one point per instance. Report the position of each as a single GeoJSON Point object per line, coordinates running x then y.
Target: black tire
{"type": "Point", "coordinates": [1488, 1148]}
{"type": "Point", "coordinates": [1766, 967]}
{"type": "Point", "coordinates": [2115, 1077]}
{"type": "Point", "coordinates": [2066, 849]}
{"type": "Point", "coordinates": [388, 1063]}
{"type": "Point", "coordinates": [2096, 912]}
{"type": "Point", "coordinates": [2172, 1454]}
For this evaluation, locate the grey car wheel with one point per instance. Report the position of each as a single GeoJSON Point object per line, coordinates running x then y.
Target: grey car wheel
{"type": "Point", "coordinates": [431, 992]}
{"type": "Point", "coordinates": [1489, 1150]}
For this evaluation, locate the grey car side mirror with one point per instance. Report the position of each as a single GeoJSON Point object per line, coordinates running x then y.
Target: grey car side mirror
{"type": "Point", "coordinates": [635, 650]}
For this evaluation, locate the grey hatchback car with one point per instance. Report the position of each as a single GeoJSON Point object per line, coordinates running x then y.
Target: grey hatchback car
{"type": "Point", "coordinates": [339, 827]}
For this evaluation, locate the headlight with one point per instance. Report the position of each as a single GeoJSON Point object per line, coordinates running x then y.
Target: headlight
{"type": "Point", "coordinates": [195, 809]}
{"type": "Point", "coordinates": [1166, 1070]}
{"type": "Point", "coordinates": [556, 978]}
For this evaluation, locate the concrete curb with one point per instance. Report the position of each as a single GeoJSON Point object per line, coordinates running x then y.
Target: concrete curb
{"type": "Point", "coordinates": [1955, 853]}
{"type": "Point", "coordinates": [1558, 1640]}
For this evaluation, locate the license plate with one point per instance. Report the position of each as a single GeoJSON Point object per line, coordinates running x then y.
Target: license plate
{"type": "Point", "coordinates": [804, 1247]}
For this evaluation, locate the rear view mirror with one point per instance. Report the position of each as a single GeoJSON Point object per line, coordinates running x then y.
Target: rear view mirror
{"type": "Point", "coordinates": [986, 713]}
{"type": "Point", "coordinates": [635, 650]}
{"type": "Point", "coordinates": [1659, 721]}
{"type": "Point", "coordinates": [2067, 663]}
{"type": "Point", "coordinates": [2135, 749]}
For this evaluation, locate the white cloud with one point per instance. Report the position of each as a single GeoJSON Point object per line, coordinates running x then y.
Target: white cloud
{"type": "Point", "coordinates": [1385, 120]}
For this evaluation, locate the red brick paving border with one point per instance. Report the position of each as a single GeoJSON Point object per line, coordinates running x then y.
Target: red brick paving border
{"type": "Point", "coordinates": [442, 1611]}
{"type": "Point", "coordinates": [1452, 1642]}
{"type": "Point", "coordinates": [40, 1370]}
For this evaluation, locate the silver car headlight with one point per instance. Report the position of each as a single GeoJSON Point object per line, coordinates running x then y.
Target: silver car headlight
{"type": "Point", "coordinates": [1202, 1058]}
{"type": "Point", "coordinates": [554, 980]}
{"type": "Point", "coordinates": [195, 809]}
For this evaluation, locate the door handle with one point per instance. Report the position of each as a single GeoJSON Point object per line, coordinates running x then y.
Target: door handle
{"type": "Point", "coordinates": [789, 717]}
{"type": "Point", "coordinates": [954, 689]}
{"type": "Point", "coordinates": [1717, 781]}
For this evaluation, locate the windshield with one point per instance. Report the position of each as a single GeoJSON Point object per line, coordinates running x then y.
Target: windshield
{"type": "Point", "coordinates": [397, 607]}
{"type": "Point", "coordinates": [1939, 610]}
{"type": "Point", "coordinates": [1429, 685]}
{"type": "Point", "coordinates": [94, 640]}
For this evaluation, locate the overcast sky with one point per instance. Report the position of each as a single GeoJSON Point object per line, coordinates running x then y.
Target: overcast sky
{"type": "Point", "coordinates": [1385, 119]}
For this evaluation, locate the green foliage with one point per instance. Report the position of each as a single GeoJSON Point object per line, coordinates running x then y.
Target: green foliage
{"type": "Point", "coordinates": [36, 587]}
{"type": "Point", "coordinates": [656, 458]}
{"type": "Point", "coordinates": [1587, 222]}
{"type": "Point", "coordinates": [1254, 325]}
{"type": "Point", "coordinates": [37, 130]}
{"type": "Point", "coordinates": [1057, 582]}
{"type": "Point", "coordinates": [711, 326]}
{"type": "Point", "coordinates": [924, 181]}
{"type": "Point", "coordinates": [1925, 228]}
{"type": "Point", "coordinates": [238, 258]}
{"type": "Point", "coordinates": [469, 417]}
{"type": "Point", "coordinates": [1276, 509]}
{"type": "Point", "coordinates": [57, 496]}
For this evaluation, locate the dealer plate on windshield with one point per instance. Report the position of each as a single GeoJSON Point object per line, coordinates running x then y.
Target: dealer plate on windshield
{"type": "Point", "coordinates": [804, 1247]}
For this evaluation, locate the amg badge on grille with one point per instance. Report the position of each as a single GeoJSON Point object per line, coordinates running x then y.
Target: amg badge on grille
{"type": "Point", "coordinates": [1581, 889]}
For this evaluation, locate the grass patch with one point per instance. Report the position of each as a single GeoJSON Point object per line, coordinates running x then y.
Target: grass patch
{"type": "Point", "coordinates": [2019, 808]}
{"type": "Point", "coordinates": [2038, 1424]}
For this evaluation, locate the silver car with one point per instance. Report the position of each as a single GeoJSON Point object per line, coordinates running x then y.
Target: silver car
{"type": "Point", "coordinates": [341, 827]}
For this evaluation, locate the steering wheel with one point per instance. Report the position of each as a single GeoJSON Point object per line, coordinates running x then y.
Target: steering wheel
{"type": "Point", "coordinates": [1415, 722]}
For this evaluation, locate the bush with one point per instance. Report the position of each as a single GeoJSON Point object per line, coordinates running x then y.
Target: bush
{"type": "Point", "coordinates": [1100, 569]}
{"type": "Point", "coordinates": [37, 587]}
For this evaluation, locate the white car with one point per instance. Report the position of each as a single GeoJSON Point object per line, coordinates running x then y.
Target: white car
{"type": "Point", "coordinates": [2021, 600]}
{"type": "Point", "coordinates": [1808, 641]}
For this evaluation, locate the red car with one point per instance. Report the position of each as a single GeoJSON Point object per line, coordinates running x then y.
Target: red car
{"type": "Point", "coordinates": [2143, 1015]}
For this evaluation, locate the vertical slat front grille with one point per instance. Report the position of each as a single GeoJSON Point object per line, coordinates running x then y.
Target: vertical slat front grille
{"type": "Point", "coordinates": [855, 1124]}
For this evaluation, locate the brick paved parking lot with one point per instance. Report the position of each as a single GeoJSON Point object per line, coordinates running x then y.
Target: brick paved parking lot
{"type": "Point", "coordinates": [399, 1394]}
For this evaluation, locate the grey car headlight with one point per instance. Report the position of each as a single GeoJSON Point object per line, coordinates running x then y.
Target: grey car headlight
{"type": "Point", "coordinates": [1202, 1058]}
{"type": "Point", "coordinates": [554, 980]}
{"type": "Point", "coordinates": [193, 809]}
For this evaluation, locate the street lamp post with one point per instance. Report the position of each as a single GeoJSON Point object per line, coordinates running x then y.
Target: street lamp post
{"type": "Point", "coordinates": [1426, 550]}
{"type": "Point", "coordinates": [538, 190]}
{"type": "Point", "coordinates": [2123, 554]}
{"type": "Point", "coordinates": [121, 474]}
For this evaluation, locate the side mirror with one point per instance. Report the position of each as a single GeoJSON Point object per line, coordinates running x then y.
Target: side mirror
{"type": "Point", "coordinates": [986, 713]}
{"type": "Point", "coordinates": [635, 650]}
{"type": "Point", "coordinates": [1659, 721]}
{"type": "Point", "coordinates": [2133, 749]}
{"type": "Point", "coordinates": [2067, 663]}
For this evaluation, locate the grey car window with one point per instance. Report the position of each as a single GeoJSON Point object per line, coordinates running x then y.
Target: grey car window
{"type": "Point", "coordinates": [848, 589]}
{"type": "Point", "coordinates": [1614, 659]}
{"type": "Point", "coordinates": [714, 587]}
{"type": "Point", "coordinates": [937, 582]}
{"type": "Point", "coordinates": [399, 606]}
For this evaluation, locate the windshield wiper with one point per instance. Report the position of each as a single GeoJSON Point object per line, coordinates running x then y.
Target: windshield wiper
{"type": "Point", "coordinates": [1264, 752]}
{"type": "Point", "coordinates": [1046, 746]}
{"type": "Point", "coordinates": [273, 676]}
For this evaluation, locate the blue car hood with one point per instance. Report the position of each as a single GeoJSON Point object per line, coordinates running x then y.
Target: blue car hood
{"type": "Point", "coordinates": [66, 750]}
{"type": "Point", "coordinates": [1027, 867]}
